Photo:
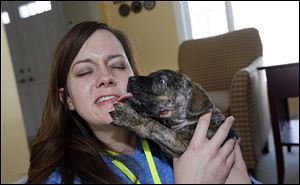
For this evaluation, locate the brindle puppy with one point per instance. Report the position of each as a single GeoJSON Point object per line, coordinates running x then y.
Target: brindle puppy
{"type": "Point", "coordinates": [165, 108]}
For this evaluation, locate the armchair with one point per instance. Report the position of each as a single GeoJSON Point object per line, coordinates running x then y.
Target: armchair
{"type": "Point", "coordinates": [225, 66]}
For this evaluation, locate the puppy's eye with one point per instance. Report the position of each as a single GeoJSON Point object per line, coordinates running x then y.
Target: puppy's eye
{"type": "Point", "coordinates": [162, 81]}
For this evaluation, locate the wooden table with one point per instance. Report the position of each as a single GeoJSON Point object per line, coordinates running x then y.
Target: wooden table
{"type": "Point", "coordinates": [283, 82]}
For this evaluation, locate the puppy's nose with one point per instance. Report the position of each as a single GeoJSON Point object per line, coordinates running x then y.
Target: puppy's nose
{"type": "Point", "coordinates": [132, 79]}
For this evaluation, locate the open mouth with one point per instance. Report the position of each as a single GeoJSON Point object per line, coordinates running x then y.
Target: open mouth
{"type": "Point", "coordinates": [164, 113]}
{"type": "Point", "coordinates": [103, 100]}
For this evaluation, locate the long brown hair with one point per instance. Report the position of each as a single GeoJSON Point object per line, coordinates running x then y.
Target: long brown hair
{"type": "Point", "coordinates": [64, 141]}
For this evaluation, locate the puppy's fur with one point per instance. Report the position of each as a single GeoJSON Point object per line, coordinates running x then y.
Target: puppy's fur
{"type": "Point", "coordinates": [165, 108]}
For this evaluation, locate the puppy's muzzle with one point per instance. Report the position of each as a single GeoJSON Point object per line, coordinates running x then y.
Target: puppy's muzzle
{"type": "Point", "coordinates": [133, 79]}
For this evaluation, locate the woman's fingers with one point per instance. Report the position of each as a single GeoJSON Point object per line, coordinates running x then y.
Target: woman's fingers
{"type": "Point", "coordinates": [227, 149]}
{"type": "Point", "coordinates": [222, 132]}
{"type": "Point", "coordinates": [231, 159]}
{"type": "Point", "coordinates": [201, 129]}
{"type": "Point", "coordinates": [238, 153]}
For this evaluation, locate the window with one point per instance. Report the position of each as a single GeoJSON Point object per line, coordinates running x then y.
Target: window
{"type": "Point", "coordinates": [5, 17]}
{"type": "Point", "coordinates": [34, 8]}
{"type": "Point", "coordinates": [277, 23]}
{"type": "Point", "coordinates": [207, 18]}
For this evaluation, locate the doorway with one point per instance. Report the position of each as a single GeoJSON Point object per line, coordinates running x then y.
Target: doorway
{"type": "Point", "coordinates": [33, 33]}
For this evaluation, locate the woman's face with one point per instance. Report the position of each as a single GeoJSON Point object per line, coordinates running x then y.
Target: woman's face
{"type": "Point", "coordinates": [97, 77]}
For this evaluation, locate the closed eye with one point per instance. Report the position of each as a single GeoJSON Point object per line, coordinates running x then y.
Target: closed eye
{"type": "Point", "coordinates": [118, 67]}
{"type": "Point", "coordinates": [84, 73]}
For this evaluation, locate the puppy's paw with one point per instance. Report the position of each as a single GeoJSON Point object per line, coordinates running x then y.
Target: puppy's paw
{"type": "Point", "coordinates": [119, 114]}
{"type": "Point", "coordinates": [233, 133]}
{"type": "Point", "coordinates": [124, 115]}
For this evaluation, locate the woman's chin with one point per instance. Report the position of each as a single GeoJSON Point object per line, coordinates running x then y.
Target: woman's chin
{"type": "Point", "coordinates": [110, 120]}
{"type": "Point", "coordinates": [107, 120]}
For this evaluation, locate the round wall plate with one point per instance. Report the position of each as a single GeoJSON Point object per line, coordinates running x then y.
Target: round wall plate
{"type": "Point", "coordinates": [149, 5]}
{"type": "Point", "coordinates": [136, 6]}
{"type": "Point", "coordinates": [124, 10]}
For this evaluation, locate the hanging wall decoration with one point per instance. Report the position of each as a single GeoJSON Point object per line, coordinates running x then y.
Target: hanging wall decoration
{"type": "Point", "coordinates": [124, 10]}
{"type": "Point", "coordinates": [136, 6]}
{"type": "Point", "coordinates": [149, 5]}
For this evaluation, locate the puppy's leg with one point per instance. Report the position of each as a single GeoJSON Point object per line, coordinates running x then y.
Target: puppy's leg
{"type": "Point", "coordinates": [216, 120]}
{"type": "Point", "coordinates": [169, 140]}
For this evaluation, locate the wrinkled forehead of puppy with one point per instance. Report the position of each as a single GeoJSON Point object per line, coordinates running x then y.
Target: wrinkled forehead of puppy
{"type": "Point", "coordinates": [170, 77]}
{"type": "Point", "coordinates": [169, 82]}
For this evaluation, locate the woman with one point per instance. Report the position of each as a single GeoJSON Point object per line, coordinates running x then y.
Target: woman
{"type": "Point", "coordinates": [76, 142]}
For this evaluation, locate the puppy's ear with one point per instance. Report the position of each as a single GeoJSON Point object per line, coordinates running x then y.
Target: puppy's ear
{"type": "Point", "coordinates": [199, 101]}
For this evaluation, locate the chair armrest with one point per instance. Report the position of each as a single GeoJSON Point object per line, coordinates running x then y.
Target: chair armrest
{"type": "Point", "coordinates": [249, 105]}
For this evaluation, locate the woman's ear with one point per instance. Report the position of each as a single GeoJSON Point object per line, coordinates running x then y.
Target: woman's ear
{"type": "Point", "coordinates": [69, 100]}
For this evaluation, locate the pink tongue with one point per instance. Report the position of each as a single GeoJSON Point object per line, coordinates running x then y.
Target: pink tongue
{"type": "Point", "coordinates": [124, 96]}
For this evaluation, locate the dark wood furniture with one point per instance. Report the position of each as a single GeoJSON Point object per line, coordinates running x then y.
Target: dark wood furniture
{"type": "Point", "coordinates": [283, 82]}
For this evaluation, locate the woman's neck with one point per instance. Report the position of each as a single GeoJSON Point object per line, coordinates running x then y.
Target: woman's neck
{"type": "Point", "coordinates": [116, 138]}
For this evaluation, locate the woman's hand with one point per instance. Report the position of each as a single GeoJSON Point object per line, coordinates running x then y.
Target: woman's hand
{"type": "Point", "coordinates": [238, 173]}
{"type": "Point", "coordinates": [205, 161]}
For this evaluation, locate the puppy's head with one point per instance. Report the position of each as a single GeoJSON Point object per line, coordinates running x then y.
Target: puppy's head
{"type": "Point", "coordinates": [162, 95]}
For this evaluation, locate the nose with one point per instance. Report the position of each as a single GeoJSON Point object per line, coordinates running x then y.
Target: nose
{"type": "Point", "coordinates": [105, 79]}
{"type": "Point", "coordinates": [132, 79]}
{"type": "Point", "coordinates": [139, 79]}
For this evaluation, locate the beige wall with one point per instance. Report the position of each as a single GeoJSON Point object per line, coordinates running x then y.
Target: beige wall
{"type": "Point", "coordinates": [293, 104]}
{"type": "Point", "coordinates": [14, 148]}
{"type": "Point", "coordinates": [153, 33]}
{"type": "Point", "coordinates": [77, 11]}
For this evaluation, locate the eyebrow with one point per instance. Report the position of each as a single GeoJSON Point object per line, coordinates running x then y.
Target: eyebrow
{"type": "Point", "coordinates": [113, 56]}
{"type": "Point", "coordinates": [108, 58]}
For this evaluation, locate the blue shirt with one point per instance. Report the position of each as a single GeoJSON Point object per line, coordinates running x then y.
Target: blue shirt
{"type": "Point", "coordinates": [163, 167]}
